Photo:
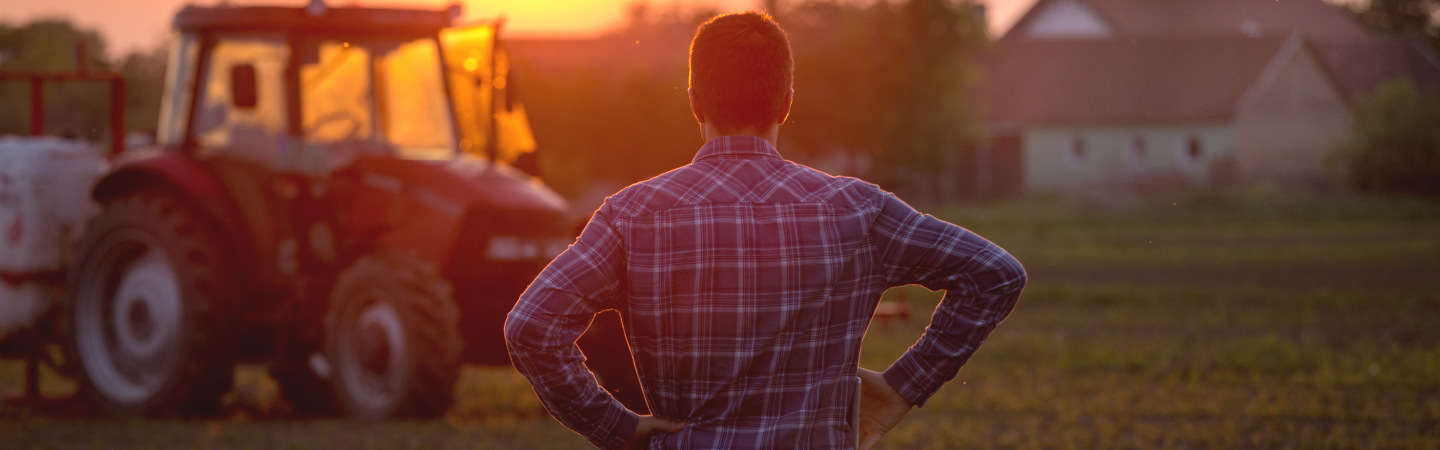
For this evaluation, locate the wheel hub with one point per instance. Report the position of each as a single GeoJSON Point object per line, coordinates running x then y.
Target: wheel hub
{"type": "Point", "coordinates": [140, 321]}
{"type": "Point", "coordinates": [377, 348]}
{"type": "Point", "coordinates": [127, 338]}
{"type": "Point", "coordinates": [374, 349]}
{"type": "Point", "coordinates": [146, 314]}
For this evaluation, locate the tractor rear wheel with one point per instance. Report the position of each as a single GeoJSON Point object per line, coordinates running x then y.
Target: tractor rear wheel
{"type": "Point", "coordinates": [392, 339]}
{"type": "Point", "coordinates": [149, 309]}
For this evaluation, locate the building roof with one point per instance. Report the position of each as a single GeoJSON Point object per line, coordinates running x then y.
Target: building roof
{"type": "Point", "coordinates": [1211, 18]}
{"type": "Point", "coordinates": [1179, 60]}
{"type": "Point", "coordinates": [1115, 81]}
{"type": "Point", "coordinates": [1361, 65]}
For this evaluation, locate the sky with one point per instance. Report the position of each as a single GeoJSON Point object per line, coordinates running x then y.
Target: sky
{"type": "Point", "coordinates": [130, 25]}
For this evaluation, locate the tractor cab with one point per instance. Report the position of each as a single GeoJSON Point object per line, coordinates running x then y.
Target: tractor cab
{"type": "Point", "coordinates": [308, 90]}
{"type": "Point", "coordinates": [330, 196]}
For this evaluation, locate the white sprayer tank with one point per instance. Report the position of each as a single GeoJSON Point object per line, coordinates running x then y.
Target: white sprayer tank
{"type": "Point", "coordinates": [45, 185]}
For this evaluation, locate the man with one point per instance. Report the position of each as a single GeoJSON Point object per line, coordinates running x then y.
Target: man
{"type": "Point", "coordinates": [746, 283]}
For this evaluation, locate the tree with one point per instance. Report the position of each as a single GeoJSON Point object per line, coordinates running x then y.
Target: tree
{"type": "Point", "coordinates": [886, 81]}
{"type": "Point", "coordinates": [879, 81]}
{"type": "Point", "coordinates": [1394, 142]}
{"type": "Point", "coordinates": [49, 45]}
{"type": "Point", "coordinates": [617, 119]}
{"type": "Point", "coordinates": [76, 109]}
{"type": "Point", "coordinates": [144, 74]}
{"type": "Point", "coordinates": [1417, 18]}
{"type": "Point", "coordinates": [934, 115]}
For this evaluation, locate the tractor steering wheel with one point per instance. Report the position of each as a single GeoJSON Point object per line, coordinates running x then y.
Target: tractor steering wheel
{"type": "Point", "coordinates": [337, 116]}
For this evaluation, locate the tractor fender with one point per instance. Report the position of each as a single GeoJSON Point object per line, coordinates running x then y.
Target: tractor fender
{"type": "Point", "coordinates": [185, 177]}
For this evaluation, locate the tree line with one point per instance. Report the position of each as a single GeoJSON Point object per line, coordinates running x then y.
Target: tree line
{"type": "Point", "coordinates": [76, 109]}
{"type": "Point", "coordinates": [879, 93]}
{"type": "Point", "coordinates": [1393, 145]}
{"type": "Point", "coordinates": [880, 90]}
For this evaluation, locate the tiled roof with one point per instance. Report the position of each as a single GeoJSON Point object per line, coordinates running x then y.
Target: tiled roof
{"type": "Point", "coordinates": [1312, 18]}
{"type": "Point", "coordinates": [1102, 80]}
{"type": "Point", "coordinates": [1360, 65]}
{"type": "Point", "coordinates": [1182, 60]}
{"type": "Point", "coordinates": [1218, 18]}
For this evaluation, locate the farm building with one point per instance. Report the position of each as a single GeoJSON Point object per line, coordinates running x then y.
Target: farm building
{"type": "Point", "coordinates": [1176, 94]}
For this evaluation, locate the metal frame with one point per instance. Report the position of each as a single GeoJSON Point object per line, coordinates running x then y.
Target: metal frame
{"type": "Point", "coordinates": [37, 82]}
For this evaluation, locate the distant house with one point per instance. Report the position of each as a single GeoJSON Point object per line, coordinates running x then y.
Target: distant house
{"type": "Point", "coordinates": [1177, 94]}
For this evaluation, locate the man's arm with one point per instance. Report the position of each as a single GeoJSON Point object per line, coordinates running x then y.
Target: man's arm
{"type": "Point", "coordinates": [981, 281]}
{"type": "Point", "coordinates": [554, 311]}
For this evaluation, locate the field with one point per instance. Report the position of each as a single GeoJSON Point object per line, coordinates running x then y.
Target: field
{"type": "Point", "coordinates": [1210, 320]}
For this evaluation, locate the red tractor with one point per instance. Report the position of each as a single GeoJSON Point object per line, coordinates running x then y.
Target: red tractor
{"type": "Point", "coordinates": [329, 195]}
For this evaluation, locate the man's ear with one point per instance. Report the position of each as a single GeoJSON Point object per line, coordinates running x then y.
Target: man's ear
{"type": "Point", "coordinates": [785, 107]}
{"type": "Point", "coordinates": [695, 106]}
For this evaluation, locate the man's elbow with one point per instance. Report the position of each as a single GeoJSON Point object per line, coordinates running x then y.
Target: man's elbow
{"type": "Point", "coordinates": [515, 333]}
{"type": "Point", "coordinates": [1019, 276]}
{"type": "Point", "coordinates": [1012, 275]}
{"type": "Point", "coordinates": [1008, 280]}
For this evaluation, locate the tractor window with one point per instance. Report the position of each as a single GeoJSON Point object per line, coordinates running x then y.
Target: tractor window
{"type": "Point", "coordinates": [368, 95]}
{"type": "Point", "coordinates": [479, 70]}
{"type": "Point", "coordinates": [179, 73]}
{"type": "Point", "coordinates": [415, 115]}
{"type": "Point", "coordinates": [251, 133]}
{"type": "Point", "coordinates": [336, 94]}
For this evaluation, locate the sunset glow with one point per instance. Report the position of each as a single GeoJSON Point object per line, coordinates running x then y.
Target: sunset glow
{"type": "Point", "coordinates": [136, 24]}
{"type": "Point", "coordinates": [140, 23]}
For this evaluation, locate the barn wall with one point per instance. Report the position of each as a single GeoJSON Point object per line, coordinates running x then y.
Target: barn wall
{"type": "Point", "coordinates": [1109, 156]}
{"type": "Point", "coordinates": [1289, 123]}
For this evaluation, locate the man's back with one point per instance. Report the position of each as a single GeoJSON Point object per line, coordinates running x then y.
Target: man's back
{"type": "Point", "coordinates": [749, 290]}
{"type": "Point", "coordinates": [746, 283]}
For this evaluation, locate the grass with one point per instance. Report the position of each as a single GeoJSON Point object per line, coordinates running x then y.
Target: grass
{"type": "Point", "coordinates": [1210, 320]}
{"type": "Point", "coordinates": [1159, 368]}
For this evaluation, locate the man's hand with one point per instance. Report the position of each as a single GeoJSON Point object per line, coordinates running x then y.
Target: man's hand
{"type": "Point", "coordinates": [881, 408]}
{"type": "Point", "coordinates": [649, 425]}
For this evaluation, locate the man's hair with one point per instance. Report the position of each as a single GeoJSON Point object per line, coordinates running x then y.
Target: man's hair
{"type": "Point", "coordinates": [740, 70]}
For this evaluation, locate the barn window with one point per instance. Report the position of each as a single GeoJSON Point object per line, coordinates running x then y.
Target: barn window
{"type": "Point", "coordinates": [1135, 153]}
{"type": "Point", "coordinates": [1189, 150]}
{"type": "Point", "coordinates": [1075, 151]}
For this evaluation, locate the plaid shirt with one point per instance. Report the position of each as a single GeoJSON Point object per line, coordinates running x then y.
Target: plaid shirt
{"type": "Point", "coordinates": [746, 283]}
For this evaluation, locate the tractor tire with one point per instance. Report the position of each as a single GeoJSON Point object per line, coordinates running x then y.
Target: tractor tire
{"type": "Point", "coordinates": [392, 339]}
{"type": "Point", "coordinates": [149, 312]}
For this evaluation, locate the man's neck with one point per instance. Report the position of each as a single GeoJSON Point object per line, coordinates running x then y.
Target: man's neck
{"type": "Point", "coordinates": [772, 134]}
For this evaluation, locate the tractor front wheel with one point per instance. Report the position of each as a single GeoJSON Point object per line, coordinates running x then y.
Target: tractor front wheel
{"type": "Point", "coordinates": [148, 309]}
{"type": "Point", "coordinates": [392, 339]}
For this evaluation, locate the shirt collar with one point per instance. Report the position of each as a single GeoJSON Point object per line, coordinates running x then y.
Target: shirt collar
{"type": "Point", "coordinates": [736, 146]}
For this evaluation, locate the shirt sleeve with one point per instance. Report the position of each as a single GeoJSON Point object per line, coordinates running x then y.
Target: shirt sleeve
{"type": "Point", "coordinates": [554, 311]}
{"type": "Point", "coordinates": [981, 281]}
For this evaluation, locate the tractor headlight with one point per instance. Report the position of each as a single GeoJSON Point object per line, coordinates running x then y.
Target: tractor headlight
{"type": "Point", "coordinates": [520, 248]}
